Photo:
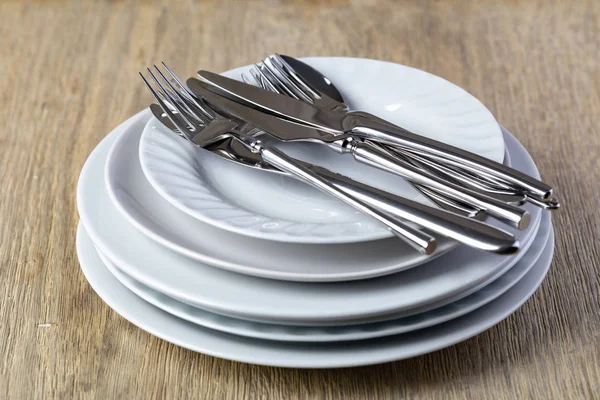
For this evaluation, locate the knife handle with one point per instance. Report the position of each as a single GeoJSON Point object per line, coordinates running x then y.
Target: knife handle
{"type": "Point", "coordinates": [416, 238]}
{"type": "Point", "coordinates": [370, 155]}
{"type": "Point", "coordinates": [464, 230]}
{"type": "Point", "coordinates": [367, 128]}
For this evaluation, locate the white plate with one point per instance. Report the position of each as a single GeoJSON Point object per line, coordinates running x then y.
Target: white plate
{"type": "Point", "coordinates": [273, 207]}
{"type": "Point", "coordinates": [347, 332]}
{"type": "Point", "coordinates": [253, 298]}
{"type": "Point", "coordinates": [135, 198]}
{"type": "Point", "coordinates": [299, 355]}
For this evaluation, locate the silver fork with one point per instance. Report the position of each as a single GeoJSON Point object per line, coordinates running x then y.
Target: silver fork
{"type": "Point", "coordinates": [193, 117]}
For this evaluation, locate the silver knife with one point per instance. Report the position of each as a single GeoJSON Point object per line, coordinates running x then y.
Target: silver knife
{"type": "Point", "coordinates": [287, 130]}
{"type": "Point", "coordinates": [358, 124]}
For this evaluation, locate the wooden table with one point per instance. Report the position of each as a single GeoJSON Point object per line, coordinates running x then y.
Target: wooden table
{"type": "Point", "coordinates": [68, 76]}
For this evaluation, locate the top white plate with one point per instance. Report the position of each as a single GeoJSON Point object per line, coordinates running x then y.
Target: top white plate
{"type": "Point", "coordinates": [273, 207]}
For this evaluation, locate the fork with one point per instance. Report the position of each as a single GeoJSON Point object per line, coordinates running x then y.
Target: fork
{"type": "Point", "coordinates": [202, 125]}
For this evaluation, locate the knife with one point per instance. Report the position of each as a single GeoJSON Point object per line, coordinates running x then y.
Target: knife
{"type": "Point", "coordinates": [358, 124]}
{"type": "Point", "coordinates": [288, 130]}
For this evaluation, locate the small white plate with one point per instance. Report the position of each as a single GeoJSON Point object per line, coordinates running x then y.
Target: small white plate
{"type": "Point", "coordinates": [273, 207]}
{"type": "Point", "coordinates": [347, 332]}
{"type": "Point", "coordinates": [293, 354]}
{"type": "Point", "coordinates": [253, 298]}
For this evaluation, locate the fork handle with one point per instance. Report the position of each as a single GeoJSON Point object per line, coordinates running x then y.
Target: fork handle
{"type": "Point", "coordinates": [370, 155]}
{"type": "Point", "coordinates": [366, 127]}
{"type": "Point", "coordinates": [416, 238]}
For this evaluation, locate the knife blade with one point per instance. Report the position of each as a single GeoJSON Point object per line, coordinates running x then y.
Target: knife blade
{"type": "Point", "coordinates": [273, 103]}
{"type": "Point", "coordinates": [283, 129]}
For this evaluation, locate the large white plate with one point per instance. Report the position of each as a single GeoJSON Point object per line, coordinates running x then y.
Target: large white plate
{"type": "Point", "coordinates": [300, 355]}
{"type": "Point", "coordinates": [347, 332]}
{"type": "Point", "coordinates": [253, 298]}
{"type": "Point", "coordinates": [273, 207]}
{"type": "Point", "coordinates": [135, 198]}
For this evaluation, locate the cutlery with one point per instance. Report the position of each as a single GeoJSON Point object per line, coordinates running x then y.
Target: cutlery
{"type": "Point", "coordinates": [311, 75]}
{"type": "Point", "coordinates": [286, 130]}
{"type": "Point", "coordinates": [191, 119]}
{"type": "Point", "coordinates": [464, 230]}
{"type": "Point", "coordinates": [320, 91]}
{"type": "Point", "coordinates": [363, 125]}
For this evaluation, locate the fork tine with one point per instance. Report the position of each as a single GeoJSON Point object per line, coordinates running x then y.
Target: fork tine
{"type": "Point", "coordinates": [291, 74]}
{"type": "Point", "coordinates": [249, 81]}
{"type": "Point", "coordinates": [172, 100]}
{"type": "Point", "coordinates": [262, 81]}
{"type": "Point", "coordinates": [188, 94]}
{"type": "Point", "coordinates": [282, 77]}
{"type": "Point", "coordinates": [173, 117]}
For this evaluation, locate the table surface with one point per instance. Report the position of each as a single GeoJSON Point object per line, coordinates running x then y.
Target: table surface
{"type": "Point", "coordinates": [534, 64]}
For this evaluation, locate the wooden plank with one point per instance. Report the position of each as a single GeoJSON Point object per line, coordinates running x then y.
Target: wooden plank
{"type": "Point", "coordinates": [68, 76]}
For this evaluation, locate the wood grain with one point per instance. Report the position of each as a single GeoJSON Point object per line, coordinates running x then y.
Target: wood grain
{"type": "Point", "coordinates": [68, 76]}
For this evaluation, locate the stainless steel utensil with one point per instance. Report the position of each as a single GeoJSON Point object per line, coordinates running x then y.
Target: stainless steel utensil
{"type": "Point", "coordinates": [464, 230]}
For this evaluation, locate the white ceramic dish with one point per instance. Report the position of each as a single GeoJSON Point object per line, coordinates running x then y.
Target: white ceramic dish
{"type": "Point", "coordinates": [348, 332]}
{"type": "Point", "coordinates": [252, 298]}
{"type": "Point", "coordinates": [273, 207]}
{"type": "Point", "coordinates": [135, 198]}
{"type": "Point", "coordinates": [292, 354]}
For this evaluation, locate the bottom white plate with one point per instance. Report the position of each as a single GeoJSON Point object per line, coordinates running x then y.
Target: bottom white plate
{"type": "Point", "coordinates": [346, 332]}
{"type": "Point", "coordinates": [293, 354]}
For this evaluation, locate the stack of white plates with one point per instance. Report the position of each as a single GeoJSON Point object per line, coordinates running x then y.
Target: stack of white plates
{"type": "Point", "coordinates": [259, 268]}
